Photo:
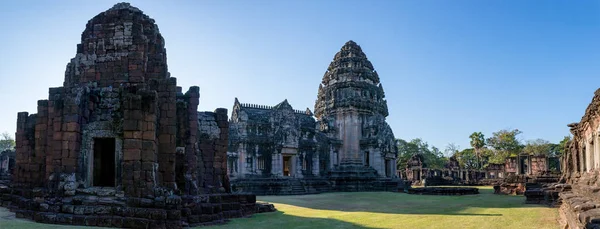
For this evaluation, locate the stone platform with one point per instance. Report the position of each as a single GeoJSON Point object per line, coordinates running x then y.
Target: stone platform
{"type": "Point", "coordinates": [444, 191]}
{"type": "Point", "coordinates": [106, 207]}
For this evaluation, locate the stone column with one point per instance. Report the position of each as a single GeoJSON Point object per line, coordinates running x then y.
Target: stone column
{"type": "Point", "coordinates": [315, 164]}
{"type": "Point", "coordinates": [297, 166]}
{"type": "Point", "coordinates": [597, 149]}
{"type": "Point", "coordinates": [393, 167]}
{"type": "Point", "coordinates": [275, 164]}
{"type": "Point", "coordinates": [241, 161]}
{"type": "Point", "coordinates": [589, 154]}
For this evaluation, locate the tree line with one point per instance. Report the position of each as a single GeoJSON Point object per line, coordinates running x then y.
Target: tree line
{"type": "Point", "coordinates": [482, 152]}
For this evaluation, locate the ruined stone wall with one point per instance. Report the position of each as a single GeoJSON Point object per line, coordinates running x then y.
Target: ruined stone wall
{"type": "Point", "coordinates": [510, 165]}
{"type": "Point", "coordinates": [213, 129]}
{"type": "Point", "coordinates": [169, 166]}
{"type": "Point", "coordinates": [539, 165]}
{"type": "Point", "coordinates": [581, 171]}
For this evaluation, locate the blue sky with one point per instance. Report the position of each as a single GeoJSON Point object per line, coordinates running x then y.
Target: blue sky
{"type": "Point", "coordinates": [448, 68]}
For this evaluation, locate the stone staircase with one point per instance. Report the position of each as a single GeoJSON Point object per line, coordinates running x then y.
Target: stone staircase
{"type": "Point", "coordinates": [297, 187]}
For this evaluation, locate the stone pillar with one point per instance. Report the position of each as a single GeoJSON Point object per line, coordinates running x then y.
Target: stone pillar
{"type": "Point", "coordinates": [221, 149]}
{"type": "Point", "coordinates": [597, 149]}
{"type": "Point", "coordinates": [242, 171]}
{"type": "Point", "coordinates": [167, 92]}
{"type": "Point", "coordinates": [297, 166]}
{"type": "Point", "coordinates": [582, 157]}
{"type": "Point", "coordinates": [280, 164]}
{"type": "Point", "coordinates": [275, 164]}
{"type": "Point", "coordinates": [41, 133]}
{"type": "Point", "coordinates": [315, 164]}
{"type": "Point", "coordinates": [589, 154]}
{"type": "Point", "coordinates": [394, 165]}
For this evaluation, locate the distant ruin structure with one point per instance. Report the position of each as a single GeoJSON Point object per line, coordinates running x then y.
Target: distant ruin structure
{"type": "Point", "coordinates": [119, 144]}
{"type": "Point", "coordinates": [346, 145]}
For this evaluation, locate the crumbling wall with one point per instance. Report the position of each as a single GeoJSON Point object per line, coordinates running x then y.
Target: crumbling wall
{"type": "Point", "coordinates": [169, 173]}
{"type": "Point", "coordinates": [213, 129]}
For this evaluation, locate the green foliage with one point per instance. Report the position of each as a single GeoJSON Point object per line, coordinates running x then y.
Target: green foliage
{"type": "Point", "coordinates": [6, 141]}
{"type": "Point", "coordinates": [563, 145]}
{"type": "Point", "coordinates": [505, 142]}
{"type": "Point", "coordinates": [538, 147]}
{"type": "Point", "coordinates": [434, 158]}
{"type": "Point", "coordinates": [477, 142]}
{"type": "Point", "coordinates": [451, 149]}
{"type": "Point", "coordinates": [467, 158]}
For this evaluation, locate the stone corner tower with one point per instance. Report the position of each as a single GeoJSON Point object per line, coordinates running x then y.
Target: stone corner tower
{"type": "Point", "coordinates": [351, 108]}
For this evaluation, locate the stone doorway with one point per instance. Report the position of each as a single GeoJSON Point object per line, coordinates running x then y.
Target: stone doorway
{"type": "Point", "coordinates": [103, 166]}
{"type": "Point", "coordinates": [524, 165]}
{"type": "Point", "coordinates": [287, 166]}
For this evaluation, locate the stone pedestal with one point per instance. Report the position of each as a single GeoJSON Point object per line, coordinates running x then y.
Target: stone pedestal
{"type": "Point", "coordinates": [352, 175]}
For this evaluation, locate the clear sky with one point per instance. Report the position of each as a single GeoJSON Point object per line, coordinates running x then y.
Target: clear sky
{"type": "Point", "coordinates": [448, 68]}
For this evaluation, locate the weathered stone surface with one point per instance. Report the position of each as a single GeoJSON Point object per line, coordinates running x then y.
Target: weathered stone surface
{"type": "Point", "coordinates": [119, 144]}
{"type": "Point", "coordinates": [580, 183]}
{"type": "Point", "coordinates": [349, 136]}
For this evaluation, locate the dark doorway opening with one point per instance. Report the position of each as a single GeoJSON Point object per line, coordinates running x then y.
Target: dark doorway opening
{"type": "Point", "coordinates": [104, 162]}
{"type": "Point", "coordinates": [287, 170]}
{"type": "Point", "coordinates": [366, 160]}
{"type": "Point", "coordinates": [524, 165]}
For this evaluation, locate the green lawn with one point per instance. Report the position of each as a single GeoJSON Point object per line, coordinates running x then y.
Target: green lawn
{"type": "Point", "coordinates": [399, 210]}
{"type": "Point", "coordinates": [379, 210]}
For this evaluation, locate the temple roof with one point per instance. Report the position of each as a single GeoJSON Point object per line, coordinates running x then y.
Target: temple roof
{"type": "Point", "coordinates": [119, 45]}
{"type": "Point", "coordinates": [350, 81]}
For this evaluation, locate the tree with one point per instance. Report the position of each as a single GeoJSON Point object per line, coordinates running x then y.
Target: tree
{"type": "Point", "coordinates": [405, 151]}
{"type": "Point", "coordinates": [538, 147]}
{"type": "Point", "coordinates": [477, 142]}
{"type": "Point", "coordinates": [466, 158]}
{"type": "Point", "coordinates": [505, 144]}
{"type": "Point", "coordinates": [563, 144]}
{"type": "Point", "coordinates": [6, 141]}
{"type": "Point", "coordinates": [451, 149]}
{"type": "Point", "coordinates": [434, 158]}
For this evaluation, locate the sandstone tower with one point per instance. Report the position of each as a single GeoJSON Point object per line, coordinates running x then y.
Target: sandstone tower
{"type": "Point", "coordinates": [351, 108]}
{"type": "Point", "coordinates": [121, 138]}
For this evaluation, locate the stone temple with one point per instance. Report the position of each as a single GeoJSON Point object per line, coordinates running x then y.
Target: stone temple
{"type": "Point", "coordinates": [346, 145]}
{"type": "Point", "coordinates": [119, 144]}
{"type": "Point", "coordinates": [580, 184]}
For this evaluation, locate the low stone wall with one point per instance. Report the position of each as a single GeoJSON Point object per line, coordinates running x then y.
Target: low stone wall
{"type": "Point", "coordinates": [510, 189]}
{"type": "Point", "coordinates": [580, 201]}
{"type": "Point", "coordinates": [292, 186]}
{"type": "Point", "coordinates": [446, 191]}
{"type": "Point", "coordinates": [280, 186]}
{"type": "Point", "coordinates": [107, 208]}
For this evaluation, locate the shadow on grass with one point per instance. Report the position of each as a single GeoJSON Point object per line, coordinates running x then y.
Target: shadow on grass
{"type": "Point", "coordinates": [401, 203]}
{"type": "Point", "coordinates": [279, 219]}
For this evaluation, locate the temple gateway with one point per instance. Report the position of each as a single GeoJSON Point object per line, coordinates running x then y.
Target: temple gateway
{"type": "Point", "coordinates": [346, 145]}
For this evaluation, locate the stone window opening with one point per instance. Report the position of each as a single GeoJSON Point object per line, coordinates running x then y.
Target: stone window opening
{"type": "Point", "coordinates": [304, 164]}
{"type": "Point", "coordinates": [261, 163]}
{"type": "Point", "coordinates": [249, 162]}
{"type": "Point", "coordinates": [322, 165]}
{"type": "Point", "coordinates": [232, 166]}
{"type": "Point", "coordinates": [103, 162]}
{"type": "Point", "coordinates": [366, 159]}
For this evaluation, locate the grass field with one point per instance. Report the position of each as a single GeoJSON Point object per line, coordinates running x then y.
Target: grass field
{"type": "Point", "coordinates": [398, 210]}
{"type": "Point", "coordinates": [379, 210]}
